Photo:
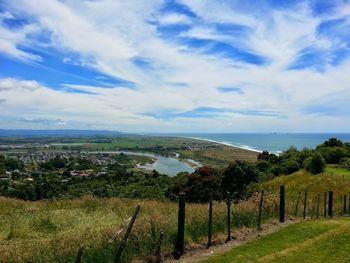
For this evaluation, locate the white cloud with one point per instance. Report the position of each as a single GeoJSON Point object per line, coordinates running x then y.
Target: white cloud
{"type": "Point", "coordinates": [10, 39]}
{"type": "Point", "coordinates": [174, 18]}
{"type": "Point", "coordinates": [108, 35]}
{"type": "Point", "coordinates": [13, 84]}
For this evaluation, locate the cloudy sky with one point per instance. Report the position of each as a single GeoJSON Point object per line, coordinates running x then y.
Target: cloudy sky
{"type": "Point", "coordinates": [175, 65]}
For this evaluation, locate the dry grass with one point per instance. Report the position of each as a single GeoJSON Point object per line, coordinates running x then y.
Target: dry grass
{"type": "Point", "coordinates": [54, 231]}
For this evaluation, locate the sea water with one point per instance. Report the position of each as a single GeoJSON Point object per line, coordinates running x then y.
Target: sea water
{"type": "Point", "coordinates": [272, 142]}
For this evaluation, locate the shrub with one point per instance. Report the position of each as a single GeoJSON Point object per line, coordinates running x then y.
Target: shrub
{"type": "Point", "coordinates": [315, 164]}
{"type": "Point", "coordinates": [333, 155]}
{"type": "Point", "coordinates": [277, 170]}
{"type": "Point", "coordinates": [237, 176]}
{"type": "Point", "coordinates": [291, 166]}
{"type": "Point", "coordinates": [332, 142]}
{"type": "Point", "coordinates": [263, 166]}
{"type": "Point", "coordinates": [345, 163]}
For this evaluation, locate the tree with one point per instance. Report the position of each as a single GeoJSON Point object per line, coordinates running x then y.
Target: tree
{"type": "Point", "coordinates": [264, 155]}
{"type": "Point", "coordinates": [315, 164]}
{"type": "Point", "coordinates": [237, 176]}
{"type": "Point", "coordinates": [332, 142]}
{"type": "Point", "coordinates": [199, 185]}
{"type": "Point", "coordinates": [345, 163]}
{"type": "Point", "coordinates": [13, 164]}
{"type": "Point", "coordinates": [291, 166]}
{"type": "Point", "coordinates": [334, 154]}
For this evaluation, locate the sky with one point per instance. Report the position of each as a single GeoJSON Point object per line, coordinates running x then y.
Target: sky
{"type": "Point", "coordinates": [175, 65]}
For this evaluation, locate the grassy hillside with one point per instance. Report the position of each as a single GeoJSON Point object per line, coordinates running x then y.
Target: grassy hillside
{"type": "Point", "coordinates": [334, 178]}
{"type": "Point", "coordinates": [310, 241]}
{"type": "Point", "coordinates": [54, 230]}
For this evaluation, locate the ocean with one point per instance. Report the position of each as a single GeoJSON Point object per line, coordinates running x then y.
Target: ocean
{"type": "Point", "coordinates": [272, 142]}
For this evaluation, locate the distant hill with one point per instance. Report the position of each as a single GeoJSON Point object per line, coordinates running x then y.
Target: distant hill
{"type": "Point", "coordinates": [73, 133]}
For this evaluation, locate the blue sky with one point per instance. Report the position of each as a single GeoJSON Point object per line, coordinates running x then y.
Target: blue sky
{"type": "Point", "coordinates": [175, 65]}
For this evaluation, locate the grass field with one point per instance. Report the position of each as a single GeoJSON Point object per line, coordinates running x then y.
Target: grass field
{"type": "Point", "coordinates": [335, 170]}
{"type": "Point", "coordinates": [331, 179]}
{"type": "Point", "coordinates": [54, 230]}
{"type": "Point", "coordinates": [316, 186]}
{"type": "Point", "coordinates": [310, 241]}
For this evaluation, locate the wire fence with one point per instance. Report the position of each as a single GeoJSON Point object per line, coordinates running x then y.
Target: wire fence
{"type": "Point", "coordinates": [161, 228]}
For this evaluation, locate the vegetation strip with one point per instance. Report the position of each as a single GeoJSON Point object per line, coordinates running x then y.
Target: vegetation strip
{"type": "Point", "coordinates": [290, 243]}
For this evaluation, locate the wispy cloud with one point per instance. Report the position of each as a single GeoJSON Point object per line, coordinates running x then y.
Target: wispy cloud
{"type": "Point", "coordinates": [175, 64]}
{"type": "Point", "coordinates": [210, 113]}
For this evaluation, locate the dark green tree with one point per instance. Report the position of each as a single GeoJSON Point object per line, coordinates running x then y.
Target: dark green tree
{"type": "Point", "coordinates": [315, 164]}
{"type": "Point", "coordinates": [237, 176]}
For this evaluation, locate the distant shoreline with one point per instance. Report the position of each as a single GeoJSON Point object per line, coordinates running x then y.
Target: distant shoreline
{"type": "Point", "coordinates": [247, 148]}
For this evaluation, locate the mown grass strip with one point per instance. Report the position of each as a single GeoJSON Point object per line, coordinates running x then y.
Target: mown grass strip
{"type": "Point", "coordinates": [290, 241]}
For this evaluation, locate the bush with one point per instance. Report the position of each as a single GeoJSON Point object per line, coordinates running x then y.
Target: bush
{"type": "Point", "coordinates": [332, 142]}
{"type": "Point", "coordinates": [333, 155]}
{"type": "Point", "coordinates": [199, 185]}
{"type": "Point", "coordinates": [315, 164]}
{"type": "Point", "coordinates": [263, 166]}
{"type": "Point", "coordinates": [237, 176]}
{"type": "Point", "coordinates": [345, 163]}
{"type": "Point", "coordinates": [277, 170]}
{"type": "Point", "coordinates": [291, 166]}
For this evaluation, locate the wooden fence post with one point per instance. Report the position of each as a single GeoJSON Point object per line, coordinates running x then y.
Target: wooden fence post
{"type": "Point", "coordinates": [282, 203]}
{"type": "Point", "coordinates": [158, 250]}
{"type": "Point", "coordinates": [305, 199]}
{"type": "Point", "coordinates": [210, 219]}
{"type": "Point", "coordinates": [325, 205]}
{"type": "Point", "coordinates": [318, 206]}
{"type": "Point", "coordinates": [330, 204]}
{"type": "Point", "coordinates": [344, 205]}
{"type": "Point", "coordinates": [117, 258]}
{"type": "Point", "coordinates": [180, 238]}
{"type": "Point", "coordinates": [80, 254]}
{"type": "Point", "coordinates": [228, 203]}
{"type": "Point", "coordinates": [297, 205]}
{"type": "Point", "coordinates": [260, 209]}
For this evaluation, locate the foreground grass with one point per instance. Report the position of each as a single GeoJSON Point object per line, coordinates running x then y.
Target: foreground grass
{"type": "Point", "coordinates": [54, 230]}
{"type": "Point", "coordinates": [311, 241]}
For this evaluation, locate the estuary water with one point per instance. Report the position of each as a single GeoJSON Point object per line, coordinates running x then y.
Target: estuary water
{"type": "Point", "coordinates": [164, 165]}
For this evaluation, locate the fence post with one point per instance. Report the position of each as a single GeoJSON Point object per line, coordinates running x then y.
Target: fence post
{"type": "Point", "coordinates": [260, 209]}
{"type": "Point", "coordinates": [318, 206]}
{"type": "Point", "coordinates": [305, 199]}
{"type": "Point", "coordinates": [157, 254]}
{"type": "Point", "coordinates": [117, 258]}
{"type": "Point", "coordinates": [228, 203]}
{"type": "Point", "coordinates": [210, 219]}
{"type": "Point", "coordinates": [80, 254]}
{"type": "Point", "coordinates": [180, 238]}
{"type": "Point", "coordinates": [297, 205]}
{"type": "Point", "coordinates": [325, 205]}
{"type": "Point", "coordinates": [344, 208]}
{"type": "Point", "coordinates": [330, 204]}
{"type": "Point", "coordinates": [282, 204]}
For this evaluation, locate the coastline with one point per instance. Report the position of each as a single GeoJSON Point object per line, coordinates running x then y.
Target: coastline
{"type": "Point", "coordinates": [247, 148]}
